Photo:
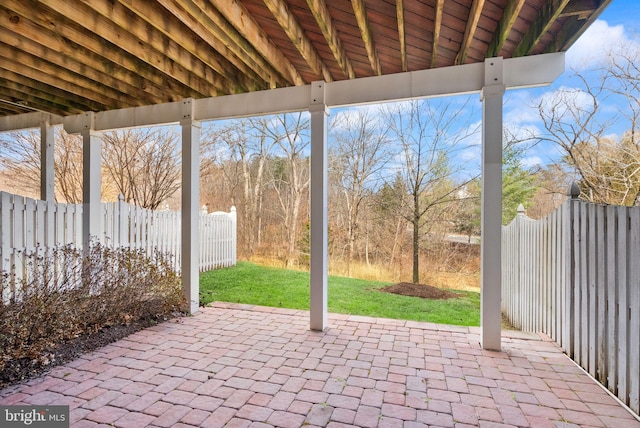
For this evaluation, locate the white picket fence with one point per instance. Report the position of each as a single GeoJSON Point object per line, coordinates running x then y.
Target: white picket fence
{"type": "Point", "coordinates": [29, 226]}
{"type": "Point", "coordinates": [575, 275]}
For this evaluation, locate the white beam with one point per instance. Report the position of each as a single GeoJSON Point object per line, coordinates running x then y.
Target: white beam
{"type": "Point", "coordinates": [319, 207]}
{"type": "Point", "coordinates": [32, 120]}
{"type": "Point", "coordinates": [537, 70]}
{"type": "Point", "coordinates": [91, 180]}
{"type": "Point", "coordinates": [491, 214]}
{"type": "Point", "coordinates": [47, 136]}
{"type": "Point", "coordinates": [190, 259]}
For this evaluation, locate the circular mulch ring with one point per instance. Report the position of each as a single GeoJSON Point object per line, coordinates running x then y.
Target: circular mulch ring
{"type": "Point", "coordinates": [419, 290]}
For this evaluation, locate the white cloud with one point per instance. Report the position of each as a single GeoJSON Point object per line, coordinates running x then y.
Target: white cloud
{"type": "Point", "coordinates": [592, 49]}
{"type": "Point", "coordinates": [531, 161]}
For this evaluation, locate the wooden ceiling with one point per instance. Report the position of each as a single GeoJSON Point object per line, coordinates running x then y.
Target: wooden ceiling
{"type": "Point", "coordinates": [66, 57]}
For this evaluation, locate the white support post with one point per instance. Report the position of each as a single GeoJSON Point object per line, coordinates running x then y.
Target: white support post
{"type": "Point", "coordinates": [91, 180]}
{"type": "Point", "coordinates": [190, 206]}
{"type": "Point", "coordinates": [319, 207]}
{"type": "Point", "coordinates": [491, 216]}
{"type": "Point", "coordinates": [47, 135]}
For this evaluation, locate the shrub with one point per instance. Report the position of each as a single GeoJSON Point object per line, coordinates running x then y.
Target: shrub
{"type": "Point", "coordinates": [63, 294]}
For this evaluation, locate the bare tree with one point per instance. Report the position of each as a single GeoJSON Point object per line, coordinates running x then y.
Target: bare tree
{"type": "Point", "coordinates": [143, 164]}
{"type": "Point", "coordinates": [357, 159]}
{"type": "Point", "coordinates": [21, 163]}
{"type": "Point", "coordinates": [289, 172]}
{"type": "Point", "coordinates": [428, 133]}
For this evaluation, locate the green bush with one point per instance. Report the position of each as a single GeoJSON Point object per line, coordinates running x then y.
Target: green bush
{"type": "Point", "coordinates": [63, 294]}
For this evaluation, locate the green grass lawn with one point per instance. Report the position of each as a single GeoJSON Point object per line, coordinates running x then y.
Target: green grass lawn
{"type": "Point", "coordinates": [258, 285]}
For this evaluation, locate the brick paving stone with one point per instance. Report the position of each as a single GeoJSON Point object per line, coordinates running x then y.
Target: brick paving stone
{"type": "Point", "coordinates": [398, 412]}
{"type": "Point", "coordinates": [286, 420]}
{"type": "Point", "coordinates": [442, 420]}
{"type": "Point", "coordinates": [367, 416]}
{"type": "Point", "coordinates": [342, 415]}
{"type": "Point", "coordinates": [464, 413]}
{"type": "Point", "coordinates": [157, 408]}
{"type": "Point", "coordinates": [254, 413]}
{"type": "Point", "coordinates": [204, 402]}
{"type": "Point", "coordinates": [343, 402]}
{"type": "Point", "coordinates": [238, 399]}
{"type": "Point", "coordinates": [103, 399]}
{"type": "Point", "coordinates": [133, 420]}
{"type": "Point", "coordinates": [195, 417]}
{"type": "Point", "coordinates": [171, 416]}
{"type": "Point", "coordinates": [178, 397]}
{"type": "Point", "coordinates": [301, 407]}
{"type": "Point", "coordinates": [143, 402]}
{"type": "Point", "coordinates": [106, 414]}
{"type": "Point", "coordinates": [218, 418]}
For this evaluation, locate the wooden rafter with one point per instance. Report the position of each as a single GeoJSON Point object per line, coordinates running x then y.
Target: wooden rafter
{"type": "Point", "coordinates": [509, 16]}
{"type": "Point", "coordinates": [190, 41]}
{"type": "Point", "coordinates": [547, 15]}
{"type": "Point", "coordinates": [296, 34]}
{"type": "Point", "coordinates": [65, 56]}
{"type": "Point", "coordinates": [34, 102]}
{"type": "Point", "coordinates": [321, 14]}
{"type": "Point", "coordinates": [214, 29]}
{"type": "Point", "coordinates": [35, 89]}
{"type": "Point", "coordinates": [470, 30]}
{"type": "Point", "coordinates": [401, 35]}
{"type": "Point", "coordinates": [106, 54]}
{"type": "Point", "coordinates": [436, 32]}
{"type": "Point", "coordinates": [360, 13]}
{"type": "Point", "coordinates": [134, 31]}
{"type": "Point", "coordinates": [41, 70]}
{"type": "Point", "coordinates": [239, 17]}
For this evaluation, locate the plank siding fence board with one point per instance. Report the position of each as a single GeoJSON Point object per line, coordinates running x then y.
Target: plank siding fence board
{"type": "Point", "coordinates": [29, 226]}
{"type": "Point", "coordinates": [575, 276]}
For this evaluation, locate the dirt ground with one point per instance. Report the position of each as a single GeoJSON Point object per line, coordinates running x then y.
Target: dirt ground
{"type": "Point", "coordinates": [419, 290]}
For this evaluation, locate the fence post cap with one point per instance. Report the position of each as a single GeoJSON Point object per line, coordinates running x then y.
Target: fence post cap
{"type": "Point", "coordinates": [233, 208]}
{"type": "Point", "coordinates": [574, 190]}
{"type": "Point", "coordinates": [121, 197]}
{"type": "Point", "coordinates": [521, 210]}
{"type": "Point", "coordinates": [204, 209]}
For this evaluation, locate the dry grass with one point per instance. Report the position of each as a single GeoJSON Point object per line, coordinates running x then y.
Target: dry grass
{"type": "Point", "coordinates": [448, 266]}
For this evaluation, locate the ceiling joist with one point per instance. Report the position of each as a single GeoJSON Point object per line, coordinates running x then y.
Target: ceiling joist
{"type": "Point", "coordinates": [107, 56]}
{"type": "Point", "coordinates": [470, 30]}
{"type": "Point", "coordinates": [360, 13]}
{"type": "Point", "coordinates": [547, 15]}
{"type": "Point", "coordinates": [323, 18]}
{"type": "Point", "coordinates": [401, 34]}
{"type": "Point", "coordinates": [509, 16]}
{"type": "Point", "coordinates": [133, 33]}
{"type": "Point", "coordinates": [296, 34]}
{"type": "Point", "coordinates": [244, 23]}
{"type": "Point", "coordinates": [436, 32]}
{"type": "Point", "coordinates": [191, 42]}
{"type": "Point", "coordinates": [206, 26]}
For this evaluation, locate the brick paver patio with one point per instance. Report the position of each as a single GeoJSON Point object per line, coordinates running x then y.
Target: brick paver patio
{"type": "Point", "coordinates": [241, 366]}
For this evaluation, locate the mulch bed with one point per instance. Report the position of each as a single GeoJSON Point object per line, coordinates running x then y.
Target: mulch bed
{"type": "Point", "coordinates": [420, 290]}
{"type": "Point", "coordinates": [17, 371]}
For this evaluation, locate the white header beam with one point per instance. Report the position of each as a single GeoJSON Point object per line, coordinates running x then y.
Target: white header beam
{"type": "Point", "coordinates": [23, 121]}
{"type": "Point", "coordinates": [537, 70]}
